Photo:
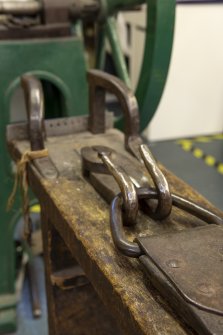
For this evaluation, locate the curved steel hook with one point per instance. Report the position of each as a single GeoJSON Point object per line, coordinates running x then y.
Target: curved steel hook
{"type": "Point", "coordinates": [97, 159]}
{"type": "Point", "coordinates": [99, 83]}
{"type": "Point", "coordinates": [34, 101]}
{"type": "Point", "coordinates": [126, 186]}
{"type": "Point", "coordinates": [126, 247]}
{"type": "Point", "coordinates": [164, 196]}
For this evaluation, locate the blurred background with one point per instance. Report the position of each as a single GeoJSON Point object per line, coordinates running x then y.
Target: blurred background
{"type": "Point", "coordinates": [192, 102]}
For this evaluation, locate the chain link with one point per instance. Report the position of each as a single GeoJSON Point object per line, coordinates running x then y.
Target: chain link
{"type": "Point", "coordinates": [117, 221]}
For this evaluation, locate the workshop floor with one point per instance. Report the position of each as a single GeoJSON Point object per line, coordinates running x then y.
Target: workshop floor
{"type": "Point", "coordinates": [198, 161]}
{"type": "Point", "coordinates": [27, 325]}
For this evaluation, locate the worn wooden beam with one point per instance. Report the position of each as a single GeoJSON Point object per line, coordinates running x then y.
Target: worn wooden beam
{"type": "Point", "coordinates": [75, 213]}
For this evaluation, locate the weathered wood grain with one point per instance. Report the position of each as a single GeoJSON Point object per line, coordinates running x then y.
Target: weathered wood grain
{"type": "Point", "coordinates": [81, 217]}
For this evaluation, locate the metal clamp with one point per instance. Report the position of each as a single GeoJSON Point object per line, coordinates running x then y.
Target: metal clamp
{"type": "Point", "coordinates": [99, 83]}
{"type": "Point", "coordinates": [34, 100]}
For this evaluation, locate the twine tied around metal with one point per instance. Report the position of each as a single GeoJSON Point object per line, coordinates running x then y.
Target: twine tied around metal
{"type": "Point", "coordinates": [21, 180]}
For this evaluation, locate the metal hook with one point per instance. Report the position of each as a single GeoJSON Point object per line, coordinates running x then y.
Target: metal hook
{"type": "Point", "coordinates": [35, 113]}
{"type": "Point", "coordinates": [34, 100]}
{"type": "Point", "coordinates": [126, 186]}
{"type": "Point", "coordinates": [132, 249]}
{"type": "Point", "coordinates": [164, 196]}
{"type": "Point", "coordinates": [100, 83]}
{"type": "Point", "coordinates": [98, 159]}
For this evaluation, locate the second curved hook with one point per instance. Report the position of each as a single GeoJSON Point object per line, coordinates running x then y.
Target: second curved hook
{"type": "Point", "coordinates": [164, 206]}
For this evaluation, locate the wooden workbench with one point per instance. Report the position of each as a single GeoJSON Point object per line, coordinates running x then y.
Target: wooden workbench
{"type": "Point", "coordinates": [75, 225]}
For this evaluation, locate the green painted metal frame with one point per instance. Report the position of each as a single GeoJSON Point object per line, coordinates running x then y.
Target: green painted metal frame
{"type": "Point", "coordinates": [119, 59]}
{"type": "Point", "coordinates": [60, 62]}
{"type": "Point", "coordinates": [156, 58]}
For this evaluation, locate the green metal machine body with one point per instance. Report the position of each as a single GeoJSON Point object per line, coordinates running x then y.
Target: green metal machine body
{"type": "Point", "coordinates": [60, 63]}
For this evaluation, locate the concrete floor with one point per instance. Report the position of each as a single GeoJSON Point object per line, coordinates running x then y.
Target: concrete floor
{"type": "Point", "coordinates": [27, 325]}
{"type": "Point", "coordinates": [198, 161]}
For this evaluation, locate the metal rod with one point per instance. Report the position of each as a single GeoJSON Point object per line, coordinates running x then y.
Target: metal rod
{"type": "Point", "coordinates": [118, 57]}
{"type": "Point", "coordinates": [34, 291]}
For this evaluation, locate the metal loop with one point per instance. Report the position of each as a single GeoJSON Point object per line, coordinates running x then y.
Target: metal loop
{"type": "Point", "coordinates": [100, 83]}
{"type": "Point", "coordinates": [164, 206]}
{"type": "Point", "coordinates": [128, 248]}
{"type": "Point", "coordinates": [132, 249]}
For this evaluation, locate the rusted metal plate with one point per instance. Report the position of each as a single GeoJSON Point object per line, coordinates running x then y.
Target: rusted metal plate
{"type": "Point", "coordinates": [81, 217]}
{"type": "Point", "coordinates": [186, 267]}
{"type": "Point", "coordinates": [192, 261]}
{"type": "Point", "coordinates": [204, 322]}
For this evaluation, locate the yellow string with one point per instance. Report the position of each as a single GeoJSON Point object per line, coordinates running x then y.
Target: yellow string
{"type": "Point", "coordinates": [21, 179]}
